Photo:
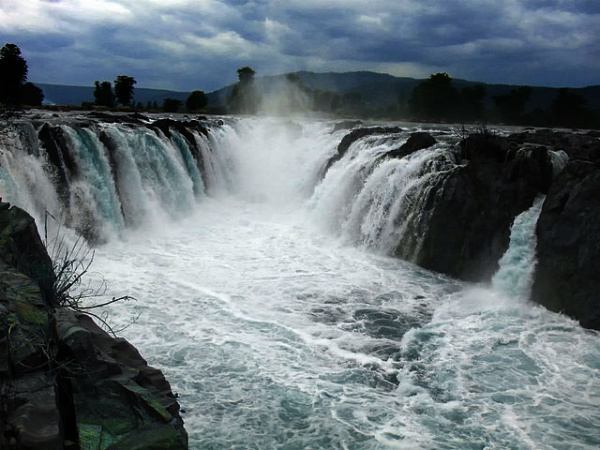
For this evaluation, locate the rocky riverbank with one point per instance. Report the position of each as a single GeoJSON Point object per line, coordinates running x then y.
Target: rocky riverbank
{"type": "Point", "coordinates": [65, 383]}
{"type": "Point", "coordinates": [473, 208]}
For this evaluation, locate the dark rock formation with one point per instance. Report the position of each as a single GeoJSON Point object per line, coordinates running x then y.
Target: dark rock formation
{"type": "Point", "coordinates": [55, 143]}
{"type": "Point", "coordinates": [22, 249]}
{"type": "Point", "coordinates": [354, 136]}
{"type": "Point", "coordinates": [346, 125]}
{"type": "Point", "coordinates": [567, 277]}
{"type": "Point", "coordinates": [464, 227]}
{"type": "Point", "coordinates": [117, 398]}
{"type": "Point", "coordinates": [576, 145]}
{"type": "Point", "coordinates": [65, 383]}
{"type": "Point", "coordinates": [416, 141]}
{"type": "Point", "coordinates": [182, 127]}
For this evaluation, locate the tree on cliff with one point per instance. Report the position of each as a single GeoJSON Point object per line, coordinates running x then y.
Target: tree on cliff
{"type": "Point", "coordinates": [196, 101]}
{"type": "Point", "coordinates": [435, 98]}
{"type": "Point", "coordinates": [124, 89]}
{"type": "Point", "coordinates": [243, 98]}
{"type": "Point", "coordinates": [103, 94]}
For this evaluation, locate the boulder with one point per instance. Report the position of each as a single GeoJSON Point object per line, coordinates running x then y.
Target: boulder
{"type": "Point", "coordinates": [416, 141]}
{"type": "Point", "coordinates": [567, 277]}
{"type": "Point", "coordinates": [66, 383]}
{"type": "Point", "coordinates": [117, 397]}
{"type": "Point", "coordinates": [464, 226]}
{"type": "Point", "coordinates": [354, 136]}
{"type": "Point", "coordinates": [22, 248]}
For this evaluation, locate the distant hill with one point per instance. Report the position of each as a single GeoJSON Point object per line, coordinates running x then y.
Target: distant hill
{"type": "Point", "coordinates": [75, 95]}
{"type": "Point", "coordinates": [378, 90]}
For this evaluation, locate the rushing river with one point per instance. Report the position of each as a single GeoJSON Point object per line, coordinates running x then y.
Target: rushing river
{"type": "Point", "coordinates": [281, 326]}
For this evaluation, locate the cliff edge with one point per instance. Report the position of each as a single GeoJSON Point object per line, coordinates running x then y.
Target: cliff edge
{"type": "Point", "coordinates": [64, 382]}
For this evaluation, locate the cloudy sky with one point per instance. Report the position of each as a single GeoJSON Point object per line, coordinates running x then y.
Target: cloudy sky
{"type": "Point", "coordinates": [199, 44]}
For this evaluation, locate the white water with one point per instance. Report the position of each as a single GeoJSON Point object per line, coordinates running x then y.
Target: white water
{"type": "Point", "coordinates": [278, 333]}
{"type": "Point", "coordinates": [517, 265]}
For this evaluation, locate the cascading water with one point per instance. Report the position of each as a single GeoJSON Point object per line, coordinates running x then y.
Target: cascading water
{"type": "Point", "coordinates": [278, 333]}
{"type": "Point", "coordinates": [515, 276]}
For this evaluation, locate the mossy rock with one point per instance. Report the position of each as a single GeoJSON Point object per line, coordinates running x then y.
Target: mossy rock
{"type": "Point", "coordinates": [30, 314]}
{"type": "Point", "coordinates": [155, 407]}
{"type": "Point", "coordinates": [154, 437]}
{"type": "Point", "coordinates": [90, 436]}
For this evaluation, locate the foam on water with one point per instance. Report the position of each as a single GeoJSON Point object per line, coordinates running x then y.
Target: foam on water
{"type": "Point", "coordinates": [278, 335]}
{"type": "Point", "coordinates": [278, 327]}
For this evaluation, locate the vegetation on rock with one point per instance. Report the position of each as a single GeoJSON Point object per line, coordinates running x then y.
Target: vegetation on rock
{"type": "Point", "coordinates": [64, 382]}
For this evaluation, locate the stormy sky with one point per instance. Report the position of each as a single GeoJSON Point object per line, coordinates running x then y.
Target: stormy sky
{"type": "Point", "coordinates": [199, 44]}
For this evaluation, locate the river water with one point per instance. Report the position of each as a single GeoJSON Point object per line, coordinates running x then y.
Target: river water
{"type": "Point", "coordinates": [279, 333]}
{"type": "Point", "coordinates": [282, 325]}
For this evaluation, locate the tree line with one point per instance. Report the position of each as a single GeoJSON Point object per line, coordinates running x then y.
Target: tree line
{"type": "Point", "coordinates": [16, 92]}
{"type": "Point", "coordinates": [123, 95]}
{"type": "Point", "coordinates": [435, 99]}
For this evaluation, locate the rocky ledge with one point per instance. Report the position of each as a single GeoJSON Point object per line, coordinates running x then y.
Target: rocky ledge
{"type": "Point", "coordinates": [500, 177]}
{"type": "Point", "coordinates": [64, 382]}
{"type": "Point", "coordinates": [464, 221]}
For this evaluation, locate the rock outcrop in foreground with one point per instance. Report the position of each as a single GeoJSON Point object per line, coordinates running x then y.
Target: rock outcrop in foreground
{"type": "Point", "coordinates": [65, 383]}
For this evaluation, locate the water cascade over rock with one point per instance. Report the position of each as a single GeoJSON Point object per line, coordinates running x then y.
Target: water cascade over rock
{"type": "Point", "coordinates": [309, 284]}
{"type": "Point", "coordinates": [442, 202]}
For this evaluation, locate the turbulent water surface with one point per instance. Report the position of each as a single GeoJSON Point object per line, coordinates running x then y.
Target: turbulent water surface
{"type": "Point", "coordinates": [273, 311]}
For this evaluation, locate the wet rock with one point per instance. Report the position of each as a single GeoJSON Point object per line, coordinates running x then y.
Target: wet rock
{"type": "Point", "coordinates": [465, 225]}
{"type": "Point", "coordinates": [416, 141]}
{"type": "Point", "coordinates": [55, 143]}
{"type": "Point", "coordinates": [567, 277]}
{"type": "Point", "coordinates": [22, 248]}
{"type": "Point", "coordinates": [117, 397]}
{"type": "Point", "coordinates": [28, 399]}
{"type": "Point", "coordinates": [346, 125]}
{"type": "Point", "coordinates": [576, 145]}
{"type": "Point", "coordinates": [182, 127]}
{"type": "Point", "coordinates": [35, 419]}
{"type": "Point", "coordinates": [66, 383]}
{"type": "Point", "coordinates": [354, 136]}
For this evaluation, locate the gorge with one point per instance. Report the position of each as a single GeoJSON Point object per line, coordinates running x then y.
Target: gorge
{"type": "Point", "coordinates": [316, 284]}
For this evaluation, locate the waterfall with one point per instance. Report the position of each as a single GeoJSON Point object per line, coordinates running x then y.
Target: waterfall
{"type": "Point", "coordinates": [101, 178]}
{"type": "Point", "coordinates": [378, 201]}
{"type": "Point", "coordinates": [96, 207]}
{"type": "Point", "coordinates": [238, 237]}
{"type": "Point", "coordinates": [515, 275]}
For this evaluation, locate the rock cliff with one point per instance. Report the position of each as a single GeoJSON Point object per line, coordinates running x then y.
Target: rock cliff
{"type": "Point", "coordinates": [65, 383]}
{"type": "Point", "coordinates": [568, 271]}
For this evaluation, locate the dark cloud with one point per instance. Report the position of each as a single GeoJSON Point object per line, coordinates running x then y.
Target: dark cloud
{"type": "Point", "coordinates": [185, 44]}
